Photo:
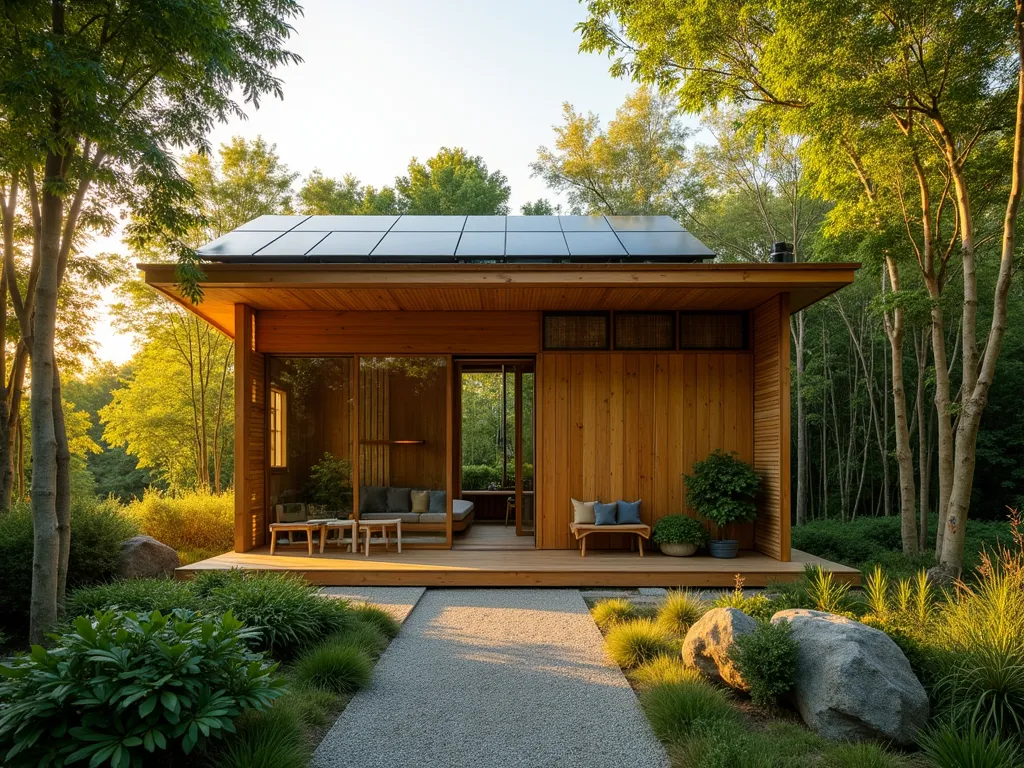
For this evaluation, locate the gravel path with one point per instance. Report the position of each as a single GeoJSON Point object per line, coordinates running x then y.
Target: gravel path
{"type": "Point", "coordinates": [491, 678]}
{"type": "Point", "coordinates": [398, 601]}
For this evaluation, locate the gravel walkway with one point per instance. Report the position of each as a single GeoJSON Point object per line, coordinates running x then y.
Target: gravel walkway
{"type": "Point", "coordinates": [491, 678]}
{"type": "Point", "coordinates": [398, 601]}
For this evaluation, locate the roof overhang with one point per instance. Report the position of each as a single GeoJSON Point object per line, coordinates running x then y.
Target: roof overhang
{"type": "Point", "coordinates": [498, 287]}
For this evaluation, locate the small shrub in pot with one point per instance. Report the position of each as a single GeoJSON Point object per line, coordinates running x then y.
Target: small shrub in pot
{"type": "Point", "coordinates": [723, 489]}
{"type": "Point", "coordinates": [679, 535]}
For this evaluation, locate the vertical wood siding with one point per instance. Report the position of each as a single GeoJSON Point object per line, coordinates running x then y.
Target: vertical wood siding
{"type": "Point", "coordinates": [251, 454]}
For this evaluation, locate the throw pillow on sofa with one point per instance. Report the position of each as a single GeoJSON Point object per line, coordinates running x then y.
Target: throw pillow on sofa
{"type": "Point", "coordinates": [629, 513]}
{"type": "Point", "coordinates": [438, 502]}
{"type": "Point", "coordinates": [605, 514]}
{"type": "Point", "coordinates": [583, 512]}
{"type": "Point", "coordinates": [372, 498]}
{"type": "Point", "coordinates": [420, 502]}
{"type": "Point", "coordinates": [399, 500]}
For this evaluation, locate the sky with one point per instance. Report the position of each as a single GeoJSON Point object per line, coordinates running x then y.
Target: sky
{"type": "Point", "coordinates": [386, 80]}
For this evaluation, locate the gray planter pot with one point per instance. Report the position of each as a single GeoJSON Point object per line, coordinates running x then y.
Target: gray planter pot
{"type": "Point", "coordinates": [678, 550]}
{"type": "Point", "coordinates": [724, 548]}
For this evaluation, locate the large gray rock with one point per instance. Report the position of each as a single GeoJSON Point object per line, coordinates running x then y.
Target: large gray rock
{"type": "Point", "coordinates": [852, 681]}
{"type": "Point", "coordinates": [143, 557]}
{"type": "Point", "coordinates": [706, 646]}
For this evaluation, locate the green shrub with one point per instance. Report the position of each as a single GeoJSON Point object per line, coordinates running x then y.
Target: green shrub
{"type": "Point", "coordinates": [365, 636]}
{"type": "Point", "coordinates": [97, 530]}
{"type": "Point", "coordinates": [271, 738]}
{"type": "Point", "coordinates": [952, 747]}
{"type": "Point", "coordinates": [314, 707]}
{"type": "Point", "coordinates": [286, 613]}
{"type": "Point", "coordinates": [120, 686]}
{"type": "Point", "coordinates": [335, 666]}
{"type": "Point", "coordinates": [675, 709]}
{"type": "Point", "coordinates": [139, 595]}
{"type": "Point", "coordinates": [759, 606]}
{"type": "Point", "coordinates": [478, 477]}
{"type": "Point", "coordinates": [861, 755]}
{"type": "Point", "coordinates": [387, 624]}
{"type": "Point", "coordinates": [679, 529]}
{"type": "Point", "coordinates": [632, 643]}
{"type": "Point", "coordinates": [186, 522]}
{"type": "Point", "coordinates": [612, 611]}
{"type": "Point", "coordinates": [680, 610]}
{"type": "Point", "coordinates": [766, 658]}
{"type": "Point", "coordinates": [664, 669]}
{"type": "Point", "coordinates": [722, 488]}
{"type": "Point", "coordinates": [732, 743]}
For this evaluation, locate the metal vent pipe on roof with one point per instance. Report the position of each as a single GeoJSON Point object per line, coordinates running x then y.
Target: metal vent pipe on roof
{"type": "Point", "coordinates": [782, 253]}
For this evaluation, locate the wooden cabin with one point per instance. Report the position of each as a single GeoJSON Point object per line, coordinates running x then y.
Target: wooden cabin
{"type": "Point", "coordinates": [621, 353]}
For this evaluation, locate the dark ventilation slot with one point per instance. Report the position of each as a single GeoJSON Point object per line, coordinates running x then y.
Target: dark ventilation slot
{"type": "Point", "coordinates": [712, 330]}
{"type": "Point", "coordinates": [575, 330]}
{"type": "Point", "coordinates": [645, 330]}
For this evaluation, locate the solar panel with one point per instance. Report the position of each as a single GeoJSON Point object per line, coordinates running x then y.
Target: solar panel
{"type": "Point", "coordinates": [532, 224]}
{"type": "Point", "coordinates": [646, 245]}
{"type": "Point", "coordinates": [271, 224]}
{"type": "Point", "coordinates": [482, 245]}
{"type": "Point", "coordinates": [413, 244]}
{"type": "Point", "coordinates": [237, 244]}
{"type": "Point", "coordinates": [485, 224]}
{"type": "Point", "coordinates": [347, 224]}
{"type": "Point", "coordinates": [429, 224]}
{"type": "Point", "coordinates": [584, 224]}
{"type": "Point", "coordinates": [342, 244]}
{"type": "Point", "coordinates": [295, 244]}
{"type": "Point", "coordinates": [590, 245]}
{"type": "Point", "coordinates": [644, 224]}
{"type": "Point", "coordinates": [535, 244]}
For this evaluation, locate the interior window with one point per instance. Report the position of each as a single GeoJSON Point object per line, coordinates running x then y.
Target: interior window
{"type": "Point", "coordinates": [278, 428]}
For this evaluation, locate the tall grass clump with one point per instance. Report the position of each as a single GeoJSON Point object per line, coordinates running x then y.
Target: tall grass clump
{"type": "Point", "coordinates": [139, 595]}
{"type": "Point", "coordinates": [825, 592]}
{"type": "Point", "coordinates": [680, 610]}
{"type": "Point", "coordinates": [664, 669]}
{"type": "Point", "coordinates": [758, 606]}
{"type": "Point", "coordinates": [377, 617]}
{"type": "Point", "coordinates": [632, 643]}
{"type": "Point", "coordinates": [365, 636]}
{"type": "Point", "coordinates": [272, 738]}
{"type": "Point", "coordinates": [952, 747]}
{"type": "Point", "coordinates": [676, 709]}
{"type": "Point", "coordinates": [196, 524]}
{"type": "Point", "coordinates": [612, 611]}
{"type": "Point", "coordinates": [861, 755]}
{"type": "Point", "coordinates": [334, 666]}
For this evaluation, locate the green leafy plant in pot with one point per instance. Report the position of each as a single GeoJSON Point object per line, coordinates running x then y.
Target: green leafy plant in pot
{"type": "Point", "coordinates": [679, 535]}
{"type": "Point", "coordinates": [330, 485]}
{"type": "Point", "coordinates": [723, 489]}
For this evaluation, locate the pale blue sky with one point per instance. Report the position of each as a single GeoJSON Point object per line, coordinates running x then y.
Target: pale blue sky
{"type": "Point", "coordinates": [385, 80]}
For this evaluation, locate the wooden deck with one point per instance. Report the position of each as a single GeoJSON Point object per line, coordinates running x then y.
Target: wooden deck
{"type": "Point", "coordinates": [521, 568]}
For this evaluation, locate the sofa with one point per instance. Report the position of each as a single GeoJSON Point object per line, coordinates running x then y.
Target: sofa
{"type": "Point", "coordinates": [379, 502]}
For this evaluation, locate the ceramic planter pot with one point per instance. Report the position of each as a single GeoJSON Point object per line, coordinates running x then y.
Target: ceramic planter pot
{"type": "Point", "coordinates": [678, 550]}
{"type": "Point", "coordinates": [724, 548]}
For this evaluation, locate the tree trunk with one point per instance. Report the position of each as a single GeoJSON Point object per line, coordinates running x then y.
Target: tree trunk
{"type": "Point", "coordinates": [63, 498]}
{"type": "Point", "coordinates": [924, 463]}
{"type": "Point", "coordinates": [944, 419]}
{"type": "Point", "coordinates": [10, 425]}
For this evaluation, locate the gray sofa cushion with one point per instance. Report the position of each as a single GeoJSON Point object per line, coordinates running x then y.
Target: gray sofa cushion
{"type": "Point", "coordinates": [372, 498]}
{"type": "Point", "coordinates": [438, 503]}
{"type": "Point", "coordinates": [405, 517]}
{"type": "Point", "coordinates": [399, 500]}
{"type": "Point", "coordinates": [460, 511]}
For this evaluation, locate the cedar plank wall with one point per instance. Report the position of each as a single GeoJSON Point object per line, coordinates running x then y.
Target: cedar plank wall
{"type": "Point", "coordinates": [626, 425]}
{"type": "Point", "coordinates": [251, 458]}
{"type": "Point", "coordinates": [771, 425]}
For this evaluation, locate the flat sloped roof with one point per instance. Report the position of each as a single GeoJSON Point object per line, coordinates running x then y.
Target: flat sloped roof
{"type": "Point", "coordinates": [454, 239]}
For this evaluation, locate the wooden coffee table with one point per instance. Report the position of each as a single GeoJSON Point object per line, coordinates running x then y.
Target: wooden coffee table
{"type": "Point", "coordinates": [340, 526]}
{"type": "Point", "coordinates": [306, 526]}
{"type": "Point", "coordinates": [383, 525]}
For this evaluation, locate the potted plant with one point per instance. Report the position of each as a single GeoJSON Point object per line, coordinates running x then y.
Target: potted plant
{"type": "Point", "coordinates": [330, 485]}
{"type": "Point", "coordinates": [722, 489]}
{"type": "Point", "coordinates": [679, 535]}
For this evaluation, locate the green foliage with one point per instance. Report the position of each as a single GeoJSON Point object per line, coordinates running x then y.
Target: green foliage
{"type": "Point", "coordinates": [664, 669]}
{"type": "Point", "coordinates": [676, 709]}
{"type": "Point", "coordinates": [540, 207]}
{"type": "Point", "coordinates": [452, 182]}
{"type": "Point", "coordinates": [758, 606]}
{"type": "Point", "coordinates": [766, 658]}
{"type": "Point", "coordinates": [121, 685]}
{"type": "Point", "coordinates": [365, 636]}
{"type": "Point", "coordinates": [190, 521]}
{"type": "Point", "coordinates": [330, 482]}
{"type": "Point", "coordinates": [680, 610]}
{"type": "Point", "coordinates": [862, 755]}
{"type": "Point", "coordinates": [284, 611]}
{"type": "Point", "coordinates": [480, 477]}
{"type": "Point", "coordinates": [93, 556]}
{"type": "Point", "coordinates": [952, 747]}
{"type": "Point", "coordinates": [139, 595]}
{"type": "Point", "coordinates": [722, 488]}
{"type": "Point", "coordinates": [825, 592]}
{"type": "Point", "coordinates": [335, 666]}
{"type": "Point", "coordinates": [270, 738]}
{"type": "Point", "coordinates": [634, 642]}
{"type": "Point", "coordinates": [611, 611]}
{"type": "Point", "coordinates": [378, 618]}
{"type": "Point", "coordinates": [679, 529]}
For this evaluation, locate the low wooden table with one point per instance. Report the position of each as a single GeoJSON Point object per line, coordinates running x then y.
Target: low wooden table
{"type": "Point", "coordinates": [383, 525]}
{"type": "Point", "coordinates": [305, 526]}
{"type": "Point", "coordinates": [582, 530]}
{"type": "Point", "coordinates": [339, 526]}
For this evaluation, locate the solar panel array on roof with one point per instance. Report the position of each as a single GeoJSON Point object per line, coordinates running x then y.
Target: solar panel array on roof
{"type": "Point", "coordinates": [441, 239]}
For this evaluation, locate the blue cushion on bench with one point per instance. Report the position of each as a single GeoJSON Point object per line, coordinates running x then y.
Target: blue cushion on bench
{"type": "Point", "coordinates": [604, 514]}
{"type": "Point", "coordinates": [629, 513]}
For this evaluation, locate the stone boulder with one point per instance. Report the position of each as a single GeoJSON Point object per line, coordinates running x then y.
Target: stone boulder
{"type": "Point", "coordinates": [706, 646]}
{"type": "Point", "coordinates": [143, 557]}
{"type": "Point", "coordinates": [852, 682]}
